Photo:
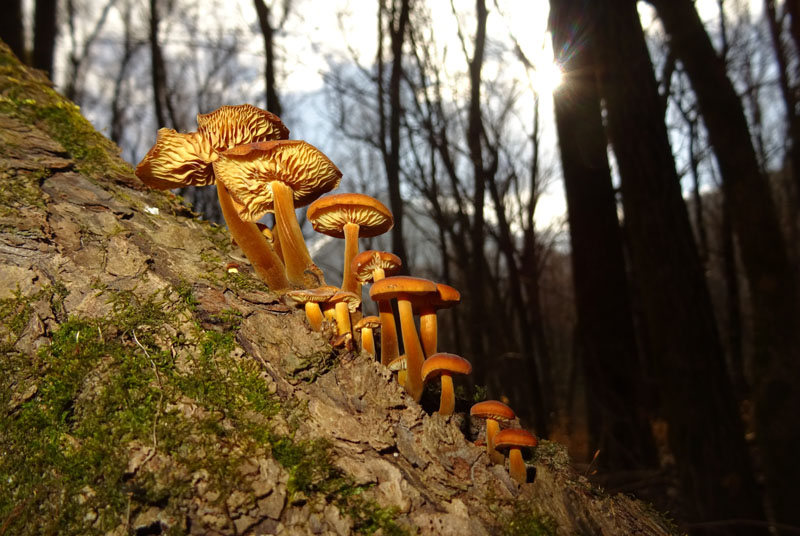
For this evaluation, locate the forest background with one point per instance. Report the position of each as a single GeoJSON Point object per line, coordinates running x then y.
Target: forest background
{"type": "Point", "coordinates": [647, 317]}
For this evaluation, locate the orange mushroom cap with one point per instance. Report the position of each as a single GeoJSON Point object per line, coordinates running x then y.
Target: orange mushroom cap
{"type": "Point", "coordinates": [391, 287]}
{"type": "Point", "coordinates": [329, 215]}
{"type": "Point", "coordinates": [514, 438]}
{"type": "Point", "coordinates": [229, 126]}
{"type": "Point", "coordinates": [444, 363]}
{"type": "Point", "coordinates": [371, 322]}
{"type": "Point", "coordinates": [492, 409]}
{"type": "Point", "coordinates": [365, 263]}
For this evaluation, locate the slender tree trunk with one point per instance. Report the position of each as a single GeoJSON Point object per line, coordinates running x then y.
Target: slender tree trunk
{"type": "Point", "coordinates": [268, 33]}
{"type": "Point", "coordinates": [476, 272]}
{"type": "Point", "coordinates": [705, 431]}
{"type": "Point", "coordinates": [12, 29]}
{"type": "Point", "coordinates": [733, 305]}
{"type": "Point", "coordinates": [118, 107]}
{"type": "Point", "coordinates": [773, 287]}
{"type": "Point", "coordinates": [44, 35]}
{"type": "Point", "coordinates": [397, 23]}
{"type": "Point", "coordinates": [165, 113]}
{"type": "Point", "coordinates": [618, 426]}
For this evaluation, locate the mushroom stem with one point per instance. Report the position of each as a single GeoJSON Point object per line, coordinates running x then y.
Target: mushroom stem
{"type": "Point", "coordinates": [314, 315]}
{"type": "Point", "coordinates": [428, 330]}
{"type": "Point", "coordinates": [447, 401]}
{"type": "Point", "coordinates": [516, 466]}
{"type": "Point", "coordinates": [254, 245]}
{"type": "Point", "coordinates": [368, 341]}
{"type": "Point", "coordinates": [492, 427]}
{"type": "Point", "coordinates": [300, 269]}
{"type": "Point", "coordinates": [390, 347]}
{"type": "Point", "coordinates": [349, 282]}
{"type": "Point", "coordinates": [414, 356]}
{"type": "Point", "coordinates": [343, 318]}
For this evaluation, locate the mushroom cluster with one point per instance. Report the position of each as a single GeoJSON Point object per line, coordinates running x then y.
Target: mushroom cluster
{"type": "Point", "coordinates": [246, 153]}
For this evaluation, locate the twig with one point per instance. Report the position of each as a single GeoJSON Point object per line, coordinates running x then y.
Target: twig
{"type": "Point", "coordinates": [160, 397]}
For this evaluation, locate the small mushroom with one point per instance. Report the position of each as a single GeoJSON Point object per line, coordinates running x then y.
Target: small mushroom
{"type": "Point", "coordinates": [494, 412]}
{"type": "Point", "coordinates": [443, 365]}
{"type": "Point", "coordinates": [513, 440]}
{"type": "Point", "coordinates": [403, 288]}
{"type": "Point", "coordinates": [310, 299]}
{"type": "Point", "coordinates": [279, 176]}
{"type": "Point", "coordinates": [365, 326]}
{"type": "Point", "coordinates": [349, 216]}
{"type": "Point", "coordinates": [232, 268]}
{"type": "Point", "coordinates": [374, 265]}
{"type": "Point", "coordinates": [344, 303]}
{"type": "Point", "coordinates": [399, 366]}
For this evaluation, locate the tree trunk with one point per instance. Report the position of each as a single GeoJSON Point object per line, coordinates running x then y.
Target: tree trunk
{"type": "Point", "coordinates": [773, 287]}
{"type": "Point", "coordinates": [165, 116]}
{"type": "Point", "coordinates": [268, 33]}
{"type": "Point", "coordinates": [12, 30]}
{"type": "Point", "coordinates": [618, 424]}
{"type": "Point", "coordinates": [705, 431]}
{"type": "Point", "coordinates": [44, 35]}
{"type": "Point", "coordinates": [397, 24]}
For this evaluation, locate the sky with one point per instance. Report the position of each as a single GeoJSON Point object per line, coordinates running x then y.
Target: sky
{"type": "Point", "coordinates": [318, 32]}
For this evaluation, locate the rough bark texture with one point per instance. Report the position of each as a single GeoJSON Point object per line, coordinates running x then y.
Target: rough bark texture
{"type": "Point", "coordinates": [618, 422]}
{"type": "Point", "coordinates": [706, 435]}
{"type": "Point", "coordinates": [147, 391]}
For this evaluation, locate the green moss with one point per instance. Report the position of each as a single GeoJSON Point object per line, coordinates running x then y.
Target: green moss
{"type": "Point", "coordinates": [526, 519]}
{"type": "Point", "coordinates": [313, 473]}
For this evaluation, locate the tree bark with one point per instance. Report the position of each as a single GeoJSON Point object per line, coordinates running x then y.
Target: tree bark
{"type": "Point", "coordinates": [12, 30]}
{"type": "Point", "coordinates": [773, 287]}
{"type": "Point", "coordinates": [705, 431]}
{"type": "Point", "coordinates": [618, 424]}
{"type": "Point", "coordinates": [44, 35]}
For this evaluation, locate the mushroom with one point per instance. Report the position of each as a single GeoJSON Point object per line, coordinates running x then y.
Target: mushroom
{"type": "Point", "coordinates": [404, 288]}
{"type": "Point", "coordinates": [513, 440]}
{"type": "Point", "coordinates": [344, 303]}
{"type": "Point", "coordinates": [493, 411]}
{"type": "Point", "coordinates": [272, 238]}
{"type": "Point", "coordinates": [178, 160]}
{"type": "Point", "coordinates": [443, 366]}
{"type": "Point", "coordinates": [399, 366]}
{"type": "Point", "coordinates": [349, 216]}
{"type": "Point", "coordinates": [311, 298]}
{"type": "Point", "coordinates": [365, 326]}
{"type": "Point", "coordinates": [444, 297]}
{"type": "Point", "coordinates": [278, 176]}
{"type": "Point", "coordinates": [375, 265]}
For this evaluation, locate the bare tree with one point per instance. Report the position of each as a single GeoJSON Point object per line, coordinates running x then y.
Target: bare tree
{"type": "Point", "coordinates": [12, 30]}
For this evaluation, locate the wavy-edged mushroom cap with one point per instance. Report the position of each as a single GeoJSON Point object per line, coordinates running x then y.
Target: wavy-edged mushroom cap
{"type": "Point", "coordinates": [514, 439]}
{"type": "Point", "coordinates": [400, 366]}
{"type": "Point", "coordinates": [177, 160]}
{"type": "Point", "coordinates": [229, 126]}
{"type": "Point", "coordinates": [392, 287]}
{"type": "Point", "coordinates": [444, 363]}
{"type": "Point", "coordinates": [247, 171]}
{"type": "Point", "coordinates": [328, 215]}
{"type": "Point", "coordinates": [366, 263]}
